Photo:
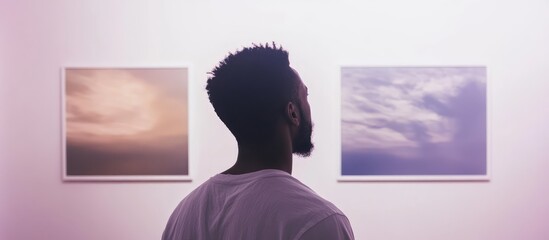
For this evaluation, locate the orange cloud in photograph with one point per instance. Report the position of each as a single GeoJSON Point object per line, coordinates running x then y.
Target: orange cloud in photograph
{"type": "Point", "coordinates": [126, 121]}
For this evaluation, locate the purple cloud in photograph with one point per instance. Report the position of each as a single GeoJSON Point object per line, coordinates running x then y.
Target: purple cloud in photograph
{"type": "Point", "coordinates": [413, 121]}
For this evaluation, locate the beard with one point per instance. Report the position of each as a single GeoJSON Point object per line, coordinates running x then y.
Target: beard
{"type": "Point", "coordinates": [302, 145]}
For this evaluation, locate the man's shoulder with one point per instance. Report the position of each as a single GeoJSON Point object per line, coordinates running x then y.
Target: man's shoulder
{"type": "Point", "coordinates": [290, 192]}
{"type": "Point", "coordinates": [291, 202]}
{"type": "Point", "coordinates": [271, 190]}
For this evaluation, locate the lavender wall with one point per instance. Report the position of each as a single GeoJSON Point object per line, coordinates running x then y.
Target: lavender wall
{"type": "Point", "coordinates": [508, 37]}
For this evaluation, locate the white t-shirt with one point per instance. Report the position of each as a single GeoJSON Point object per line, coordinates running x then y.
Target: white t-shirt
{"type": "Point", "coordinates": [267, 204]}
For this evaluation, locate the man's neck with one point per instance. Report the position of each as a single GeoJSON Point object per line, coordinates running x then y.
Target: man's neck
{"type": "Point", "coordinates": [256, 157]}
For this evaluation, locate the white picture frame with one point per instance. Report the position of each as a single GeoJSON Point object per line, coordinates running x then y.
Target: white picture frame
{"type": "Point", "coordinates": [382, 143]}
{"type": "Point", "coordinates": [142, 147]}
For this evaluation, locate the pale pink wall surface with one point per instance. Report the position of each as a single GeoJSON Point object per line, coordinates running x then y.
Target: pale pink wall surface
{"type": "Point", "coordinates": [3, 119]}
{"type": "Point", "coordinates": [508, 37]}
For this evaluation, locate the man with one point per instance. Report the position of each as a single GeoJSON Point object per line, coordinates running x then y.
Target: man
{"type": "Point", "coordinates": [263, 102]}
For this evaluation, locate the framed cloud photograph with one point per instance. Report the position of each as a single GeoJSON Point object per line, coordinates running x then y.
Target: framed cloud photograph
{"type": "Point", "coordinates": [414, 124]}
{"type": "Point", "coordinates": [125, 123]}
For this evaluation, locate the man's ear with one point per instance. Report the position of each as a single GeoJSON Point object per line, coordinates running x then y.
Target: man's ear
{"type": "Point", "coordinates": [292, 113]}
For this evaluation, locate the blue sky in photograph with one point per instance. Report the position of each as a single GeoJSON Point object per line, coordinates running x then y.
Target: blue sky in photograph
{"type": "Point", "coordinates": [413, 120]}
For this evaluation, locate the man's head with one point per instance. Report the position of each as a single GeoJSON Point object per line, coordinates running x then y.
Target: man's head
{"type": "Point", "coordinates": [255, 89]}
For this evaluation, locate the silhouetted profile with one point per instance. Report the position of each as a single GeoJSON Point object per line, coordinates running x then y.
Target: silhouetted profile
{"type": "Point", "coordinates": [263, 102]}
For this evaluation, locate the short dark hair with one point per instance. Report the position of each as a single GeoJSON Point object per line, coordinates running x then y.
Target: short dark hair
{"type": "Point", "coordinates": [250, 88]}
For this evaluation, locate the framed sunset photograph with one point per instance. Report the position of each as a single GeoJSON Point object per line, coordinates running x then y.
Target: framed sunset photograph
{"type": "Point", "coordinates": [125, 123]}
{"type": "Point", "coordinates": [414, 124]}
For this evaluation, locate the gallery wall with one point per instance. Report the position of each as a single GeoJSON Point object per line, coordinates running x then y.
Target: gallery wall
{"type": "Point", "coordinates": [508, 37]}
